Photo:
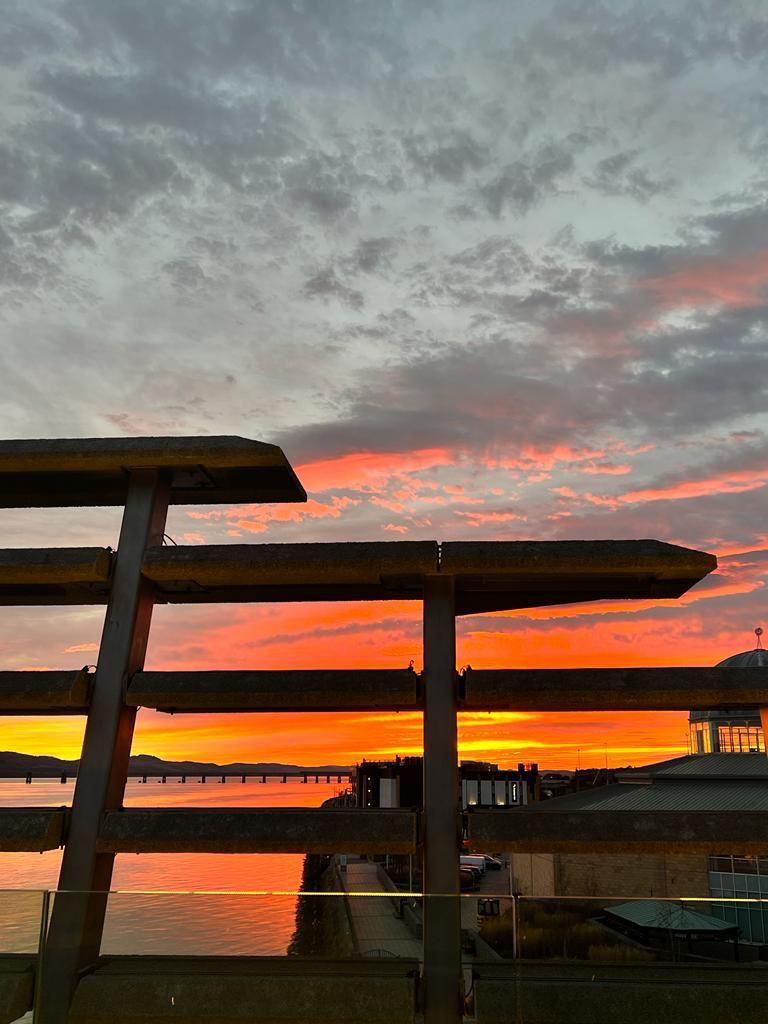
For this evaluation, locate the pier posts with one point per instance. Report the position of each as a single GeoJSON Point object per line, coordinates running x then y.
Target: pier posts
{"type": "Point", "coordinates": [77, 922]}
{"type": "Point", "coordinates": [442, 825]}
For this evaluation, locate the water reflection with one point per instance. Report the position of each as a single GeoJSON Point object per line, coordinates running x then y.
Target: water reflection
{"type": "Point", "coordinates": [154, 923]}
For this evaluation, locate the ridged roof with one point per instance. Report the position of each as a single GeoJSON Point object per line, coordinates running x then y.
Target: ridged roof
{"type": "Point", "coordinates": [702, 767]}
{"type": "Point", "coordinates": [681, 795]}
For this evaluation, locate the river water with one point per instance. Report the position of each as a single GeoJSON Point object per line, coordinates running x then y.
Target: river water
{"type": "Point", "coordinates": [171, 903]}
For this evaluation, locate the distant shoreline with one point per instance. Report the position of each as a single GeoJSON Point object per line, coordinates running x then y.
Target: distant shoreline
{"type": "Point", "coordinates": [15, 765]}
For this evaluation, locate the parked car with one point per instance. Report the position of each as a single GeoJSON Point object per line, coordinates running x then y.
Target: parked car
{"type": "Point", "coordinates": [469, 879]}
{"type": "Point", "coordinates": [472, 861]}
{"type": "Point", "coordinates": [492, 863]}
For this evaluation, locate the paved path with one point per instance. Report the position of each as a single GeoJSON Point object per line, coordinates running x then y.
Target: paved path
{"type": "Point", "coordinates": [373, 917]}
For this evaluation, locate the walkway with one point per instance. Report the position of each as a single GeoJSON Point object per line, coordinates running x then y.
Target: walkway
{"type": "Point", "coordinates": [373, 918]}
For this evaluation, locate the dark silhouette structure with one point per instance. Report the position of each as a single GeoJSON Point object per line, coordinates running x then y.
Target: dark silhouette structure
{"type": "Point", "coordinates": [146, 475]}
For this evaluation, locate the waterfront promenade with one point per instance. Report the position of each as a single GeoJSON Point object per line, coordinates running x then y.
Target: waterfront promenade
{"type": "Point", "coordinates": [374, 923]}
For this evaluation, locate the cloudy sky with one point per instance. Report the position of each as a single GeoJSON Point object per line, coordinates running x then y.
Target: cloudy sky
{"type": "Point", "coordinates": [484, 270]}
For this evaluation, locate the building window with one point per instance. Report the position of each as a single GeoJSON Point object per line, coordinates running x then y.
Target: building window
{"type": "Point", "coordinates": [741, 878]}
{"type": "Point", "coordinates": [701, 738]}
{"type": "Point", "coordinates": [741, 739]}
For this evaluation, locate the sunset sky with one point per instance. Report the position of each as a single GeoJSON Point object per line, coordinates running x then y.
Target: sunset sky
{"type": "Point", "coordinates": [484, 270]}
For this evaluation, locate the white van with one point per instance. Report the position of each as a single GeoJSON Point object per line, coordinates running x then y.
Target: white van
{"type": "Point", "coordinates": [469, 861]}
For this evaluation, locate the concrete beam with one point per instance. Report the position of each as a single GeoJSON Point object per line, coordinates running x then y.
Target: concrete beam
{"type": "Point", "coordinates": [45, 693]}
{"type": "Point", "coordinates": [32, 829]}
{"type": "Point", "coordinates": [498, 575]}
{"type": "Point", "coordinates": [271, 990]}
{"type": "Point", "coordinates": [306, 570]}
{"type": "Point", "coordinates": [609, 689]}
{"type": "Point", "coordinates": [258, 830]}
{"type": "Point", "coordinates": [488, 575]}
{"type": "Point", "coordinates": [551, 831]}
{"type": "Point", "coordinates": [48, 576]}
{"type": "Point", "coordinates": [291, 690]}
{"type": "Point", "coordinates": [17, 977]}
{"type": "Point", "coordinates": [582, 993]}
{"type": "Point", "coordinates": [92, 471]}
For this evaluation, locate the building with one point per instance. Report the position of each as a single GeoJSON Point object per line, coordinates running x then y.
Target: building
{"type": "Point", "coordinates": [730, 730]}
{"type": "Point", "coordinates": [398, 783]}
{"type": "Point", "coordinates": [729, 773]}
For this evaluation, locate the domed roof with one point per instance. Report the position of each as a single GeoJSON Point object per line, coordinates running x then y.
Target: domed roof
{"type": "Point", "coordinates": [758, 658]}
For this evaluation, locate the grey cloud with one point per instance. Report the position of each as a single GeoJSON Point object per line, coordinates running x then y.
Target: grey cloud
{"type": "Point", "coordinates": [617, 175]}
{"type": "Point", "coordinates": [449, 159]}
{"type": "Point", "coordinates": [371, 254]}
{"type": "Point", "coordinates": [85, 171]}
{"type": "Point", "coordinates": [325, 284]}
{"type": "Point", "coordinates": [524, 183]}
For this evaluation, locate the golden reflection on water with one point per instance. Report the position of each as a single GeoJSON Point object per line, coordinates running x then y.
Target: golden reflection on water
{"type": "Point", "coordinates": [155, 909]}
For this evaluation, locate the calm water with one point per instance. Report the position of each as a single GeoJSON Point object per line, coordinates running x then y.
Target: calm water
{"type": "Point", "coordinates": [164, 921]}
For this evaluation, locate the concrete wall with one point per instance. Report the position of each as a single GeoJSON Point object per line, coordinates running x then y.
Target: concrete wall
{"type": "Point", "coordinates": [632, 875]}
{"type": "Point", "coordinates": [533, 874]}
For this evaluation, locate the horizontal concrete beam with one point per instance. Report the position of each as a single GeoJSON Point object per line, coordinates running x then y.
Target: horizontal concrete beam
{"type": "Point", "coordinates": [307, 571]}
{"type": "Point", "coordinates": [489, 575]}
{"type": "Point", "coordinates": [44, 693]}
{"type": "Point", "coordinates": [291, 690]}
{"type": "Point", "coordinates": [93, 471]}
{"type": "Point", "coordinates": [17, 976]}
{"type": "Point", "coordinates": [275, 990]}
{"type": "Point", "coordinates": [49, 576]}
{"type": "Point", "coordinates": [582, 993]}
{"type": "Point", "coordinates": [258, 830]}
{"type": "Point", "coordinates": [613, 689]}
{"type": "Point", "coordinates": [31, 829]}
{"type": "Point", "coordinates": [535, 830]}
{"type": "Point", "coordinates": [497, 575]}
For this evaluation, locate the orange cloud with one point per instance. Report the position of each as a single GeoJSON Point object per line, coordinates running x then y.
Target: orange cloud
{"type": "Point", "coordinates": [729, 482]}
{"type": "Point", "coordinates": [368, 470]}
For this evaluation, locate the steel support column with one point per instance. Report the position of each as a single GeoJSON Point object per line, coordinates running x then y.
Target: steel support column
{"type": "Point", "coordinates": [77, 921]}
{"type": "Point", "coordinates": [443, 983]}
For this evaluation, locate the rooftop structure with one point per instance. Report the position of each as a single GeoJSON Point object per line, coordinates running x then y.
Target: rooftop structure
{"type": "Point", "coordinates": [449, 579]}
{"type": "Point", "coordinates": [733, 729]}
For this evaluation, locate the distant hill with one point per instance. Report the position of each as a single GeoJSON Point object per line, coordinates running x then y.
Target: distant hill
{"type": "Point", "coordinates": [14, 765]}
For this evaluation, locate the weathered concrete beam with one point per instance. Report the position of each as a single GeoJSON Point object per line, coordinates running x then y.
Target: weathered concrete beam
{"type": "Point", "coordinates": [258, 830]}
{"type": "Point", "coordinates": [92, 471]}
{"type": "Point", "coordinates": [54, 575]}
{"type": "Point", "coordinates": [272, 990]}
{"type": "Point", "coordinates": [496, 575]}
{"type": "Point", "coordinates": [582, 993]}
{"type": "Point", "coordinates": [395, 565]}
{"type": "Point", "coordinates": [17, 977]}
{"type": "Point", "coordinates": [489, 575]}
{"type": "Point", "coordinates": [552, 831]}
{"type": "Point", "coordinates": [291, 690]}
{"type": "Point", "coordinates": [31, 829]}
{"type": "Point", "coordinates": [45, 693]}
{"type": "Point", "coordinates": [613, 689]}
